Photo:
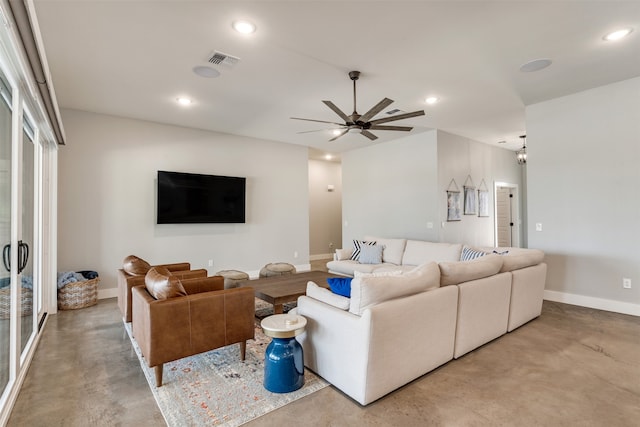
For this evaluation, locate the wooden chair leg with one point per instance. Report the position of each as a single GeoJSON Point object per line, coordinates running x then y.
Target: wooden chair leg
{"type": "Point", "coordinates": [243, 349]}
{"type": "Point", "coordinates": [158, 370]}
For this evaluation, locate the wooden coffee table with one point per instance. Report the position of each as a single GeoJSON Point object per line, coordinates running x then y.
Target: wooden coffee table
{"type": "Point", "coordinates": [278, 290]}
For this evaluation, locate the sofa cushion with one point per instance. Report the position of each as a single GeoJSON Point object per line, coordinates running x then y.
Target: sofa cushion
{"type": "Point", "coordinates": [393, 248]}
{"type": "Point", "coordinates": [517, 258]}
{"type": "Point", "coordinates": [161, 284]}
{"type": "Point", "coordinates": [418, 252]}
{"type": "Point", "coordinates": [340, 285]}
{"type": "Point", "coordinates": [367, 291]}
{"type": "Point", "coordinates": [468, 253]}
{"type": "Point", "coordinates": [135, 266]}
{"type": "Point", "coordinates": [453, 273]}
{"type": "Point", "coordinates": [357, 246]}
{"type": "Point", "coordinates": [349, 267]}
{"type": "Point", "coordinates": [326, 296]}
{"type": "Point", "coordinates": [371, 254]}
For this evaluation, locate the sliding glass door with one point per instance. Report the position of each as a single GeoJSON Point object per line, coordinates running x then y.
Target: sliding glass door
{"type": "Point", "coordinates": [5, 232]}
{"type": "Point", "coordinates": [26, 242]}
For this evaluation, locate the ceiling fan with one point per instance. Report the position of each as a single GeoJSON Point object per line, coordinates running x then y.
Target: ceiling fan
{"type": "Point", "coordinates": [363, 123]}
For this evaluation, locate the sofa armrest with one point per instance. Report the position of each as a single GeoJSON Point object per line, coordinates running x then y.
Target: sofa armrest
{"type": "Point", "coordinates": [190, 274]}
{"type": "Point", "coordinates": [342, 254]}
{"type": "Point", "coordinates": [202, 284]}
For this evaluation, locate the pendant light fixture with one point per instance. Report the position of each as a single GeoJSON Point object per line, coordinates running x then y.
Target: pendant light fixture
{"type": "Point", "coordinates": [521, 154]}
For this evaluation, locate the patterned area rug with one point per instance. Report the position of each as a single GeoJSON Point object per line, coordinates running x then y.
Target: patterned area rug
{"type": "Point", "coordinates": [218, 389]}
{"type": "Point", "coordinates": [264, 309]}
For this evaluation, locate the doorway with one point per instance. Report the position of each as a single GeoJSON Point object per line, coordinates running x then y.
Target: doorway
{"type": "Point", "coordinates": [507, 219]}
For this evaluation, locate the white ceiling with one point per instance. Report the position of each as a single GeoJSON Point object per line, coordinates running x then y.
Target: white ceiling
{"type": "Point", "coordinates": [134, 58]}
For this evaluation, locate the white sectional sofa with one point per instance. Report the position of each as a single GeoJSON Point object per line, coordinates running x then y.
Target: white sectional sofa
{"type": "Point", "coordinates": [414, 311]}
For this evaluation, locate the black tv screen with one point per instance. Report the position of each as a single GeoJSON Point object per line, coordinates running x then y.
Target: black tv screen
{"type": "Point", "coordinates": [189, 198]}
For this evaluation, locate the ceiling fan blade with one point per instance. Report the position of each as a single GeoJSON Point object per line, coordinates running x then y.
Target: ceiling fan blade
{"type": "Point", "coordinates": [311, 131]}
{"type": "Point", "coordinates": [342, 132]}
{"type": "Point", "coordinates": [336, 110]}
{"type": "Point", "coordinates": [319, 121]}
{"type": "Point", "coordinates": [398, 117]}
{"type": "Point", "coordinates": [369, 135]}
{"type": "Point", "coordinates": [383, 127]}
{"type": "Point", "coordinates": [375, 110]}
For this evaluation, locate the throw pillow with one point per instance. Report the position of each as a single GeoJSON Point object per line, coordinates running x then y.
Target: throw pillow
{"type": "Point", "coordinates": [161, 284]}
{"type": "Point", "coordinates": [357, 245]}
{"type": "Point", "coordinates": [326, 296]}
{"type": "Point", "coordinates": [468, 254]}
{"type": "Point", "coordinates": [371, 254]}
{"type": "Point", "coordinates": [340, 285]}
{"type": "Point", "coordinates": [135, 266]}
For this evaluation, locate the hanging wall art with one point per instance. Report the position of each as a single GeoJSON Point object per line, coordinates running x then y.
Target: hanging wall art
{"type": "Point", "coordinates": [470, 203]}
{"type": "Point", "coordinates": [483, 200]}
{"type": "Point", "coordinates": [453, 202]}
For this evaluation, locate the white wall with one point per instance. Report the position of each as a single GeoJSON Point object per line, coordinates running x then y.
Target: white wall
{"type": "Point", "coordinates": [390, 189]}
{"type": "Point", "coordinates": [325, 208]}
{"type": "Point", "coordinates": [584, 187]}
{"type": "Point", "coordinates": [458, 158]}
{"type": "Point", "coordinates": [107, 187]}
{"type": "Point", "coordinates": [395, 189]}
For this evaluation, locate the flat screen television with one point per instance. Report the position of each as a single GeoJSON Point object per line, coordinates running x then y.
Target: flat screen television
{"type": "Point", "coordinates": [190, 198]}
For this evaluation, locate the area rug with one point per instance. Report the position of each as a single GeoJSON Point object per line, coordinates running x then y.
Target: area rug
{"type": "Point", "coordinates": [264, 309]}
{"type": "Point", "coordinates": [218, 389]}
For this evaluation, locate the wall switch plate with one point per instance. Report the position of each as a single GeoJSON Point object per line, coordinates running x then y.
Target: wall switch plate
{"type": "Point", "coordinates": [295, 254]}
{"type": "Point", "coordinates": [538, 226]}
{"type": "Point", "coordinates": [429, 225]}
{"type": "Point", "coordinates": [210, 263]}
{"type": "Point", "coordinates": [626, 283]}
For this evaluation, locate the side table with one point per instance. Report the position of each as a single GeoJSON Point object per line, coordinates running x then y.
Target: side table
{"type": "Point", "coordinates": [283, 358]}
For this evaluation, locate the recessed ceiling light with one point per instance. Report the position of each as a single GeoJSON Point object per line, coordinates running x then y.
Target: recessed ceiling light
{"type": "Point", "coordinates": [617, 35]}
{"type": "Point", "coordinates": [244, 27]}
{"type": "Point", "coordinates": [207, 72]}
{"type": "Point", "coordinates": [184, 101]}
{"type": "Point", "coordinates": [432, 100]}
{"type": "Point", "coordinates": [328, 156]}
{"type": "Point", "coordinates": [535, 65]}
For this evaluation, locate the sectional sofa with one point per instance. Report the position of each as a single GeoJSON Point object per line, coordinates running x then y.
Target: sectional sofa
{"type": "Point", "coordinates": [415, 310]}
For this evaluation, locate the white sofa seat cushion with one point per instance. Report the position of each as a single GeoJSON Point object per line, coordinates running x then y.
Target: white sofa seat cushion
{"type": "Point", "coordinates": [367, 291]}
{"type": "Point", "coordinates": [393, 248]}
{"type": "Point", "coordinates": [418, 252]}
{"type": "Point", "coordinates": [326, 296]}
{"type": "Point", "coordinates": [349, 267]}
{"type": "Point", "coordinates": [452, 273]}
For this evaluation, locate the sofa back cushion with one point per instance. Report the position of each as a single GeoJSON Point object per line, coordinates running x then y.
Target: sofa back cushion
{"type": "Point", "coordinates": [517, 258]}
{"type": "Point", "coordinates": [369, 290]}
{"type": "Point", "coordinates": [418, 252]}
{"type": "Point", "coordinates": [453, 273]}
{"type": "Point", "coordinates": [135, 266]}
{"type": "Point", "coordinates": [393, 249]}
{"type": "Point", "coordinates": [161, 284]}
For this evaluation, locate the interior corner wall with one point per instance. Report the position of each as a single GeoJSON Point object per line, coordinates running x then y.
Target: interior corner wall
{"type": "Point", "coordinates": [390, 189]}
{"type": "Point", "coordinates": [583, 180]}
{"type": "Point", "coordinates": [325, 208]}
{"type": "Point", "coordinates": [107, 196]}
{"type": "Point", "coordinates": [459, 158]}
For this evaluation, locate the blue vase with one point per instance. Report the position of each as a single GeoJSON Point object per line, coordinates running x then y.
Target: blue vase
{"type": "Point", "coordinates": [283, 365]}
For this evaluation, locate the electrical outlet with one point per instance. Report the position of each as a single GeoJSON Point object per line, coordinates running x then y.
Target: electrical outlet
{"type": "Point", "coordinates": [330, 245]}
{"type": "Point", "coordinates": [429, 225]}
{"type": "Point", "coordinates": [295, 254]}
{"type": "Point", "coordinates": [626, 283]}
{"type": "Point", "coordinates": [210, 263]}
{"type": "Point", "coordinates": [538, 226]}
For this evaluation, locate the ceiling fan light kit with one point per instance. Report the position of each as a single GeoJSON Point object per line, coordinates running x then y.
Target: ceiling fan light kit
{"type": "Point", "coordinates": [356, 123]}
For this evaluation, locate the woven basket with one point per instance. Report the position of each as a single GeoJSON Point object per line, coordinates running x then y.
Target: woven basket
{"type": "Point", "coordinates": [26, 302]}
{"type": "Point", "coordinates": [78, 295]}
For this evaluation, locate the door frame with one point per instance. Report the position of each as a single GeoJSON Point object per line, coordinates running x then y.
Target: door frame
{"type": "Point", "coordinates": [515, 213]}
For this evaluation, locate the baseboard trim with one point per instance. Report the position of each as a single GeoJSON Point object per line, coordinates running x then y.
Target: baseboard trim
{"type": "Point", "coordinates": [593, 302]}
{"type": "Point", "coordinates": [107, 293]}
{"type": "Point", "coordinates": [320, 256]}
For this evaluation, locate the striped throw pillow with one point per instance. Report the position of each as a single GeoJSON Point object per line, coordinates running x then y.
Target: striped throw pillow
{"type": "Point", "coordinates": [357, 245]}
{"type": "Point", "coordinates": [468, 254]}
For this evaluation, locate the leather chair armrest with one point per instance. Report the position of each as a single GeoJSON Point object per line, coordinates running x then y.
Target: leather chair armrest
{"type": "Point", "coordinates": [178, 266]}
{"type": "Point", "coordinates": [203, 284]}
{"type": "Point", "coordinates": [190, 274]}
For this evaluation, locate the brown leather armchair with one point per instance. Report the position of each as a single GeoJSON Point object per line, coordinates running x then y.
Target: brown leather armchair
{"type": "Point", "coordinates": [134, 276]}
{"type": "Point", "coordinates": [208, 317]}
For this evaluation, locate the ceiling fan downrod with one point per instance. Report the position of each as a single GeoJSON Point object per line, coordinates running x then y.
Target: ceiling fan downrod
{"type": "Point", "coordinates": [354, 75]}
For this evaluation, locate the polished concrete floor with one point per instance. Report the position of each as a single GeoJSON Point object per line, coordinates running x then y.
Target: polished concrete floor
{"type": "Point", "coordinates": [572, 366]}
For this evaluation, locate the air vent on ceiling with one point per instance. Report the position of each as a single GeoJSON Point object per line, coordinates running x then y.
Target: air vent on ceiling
{"type": "Point", "coordinates": [394, 111]}
{"type": "Point", "coordinates": [220, 58]}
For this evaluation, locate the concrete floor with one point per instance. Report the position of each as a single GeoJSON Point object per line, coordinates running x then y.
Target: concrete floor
{"type": "Point", "coordinates": [572, 366]}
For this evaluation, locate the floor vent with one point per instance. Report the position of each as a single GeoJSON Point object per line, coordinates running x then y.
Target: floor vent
{"type": "Point", "coordinates": [220, 58]}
